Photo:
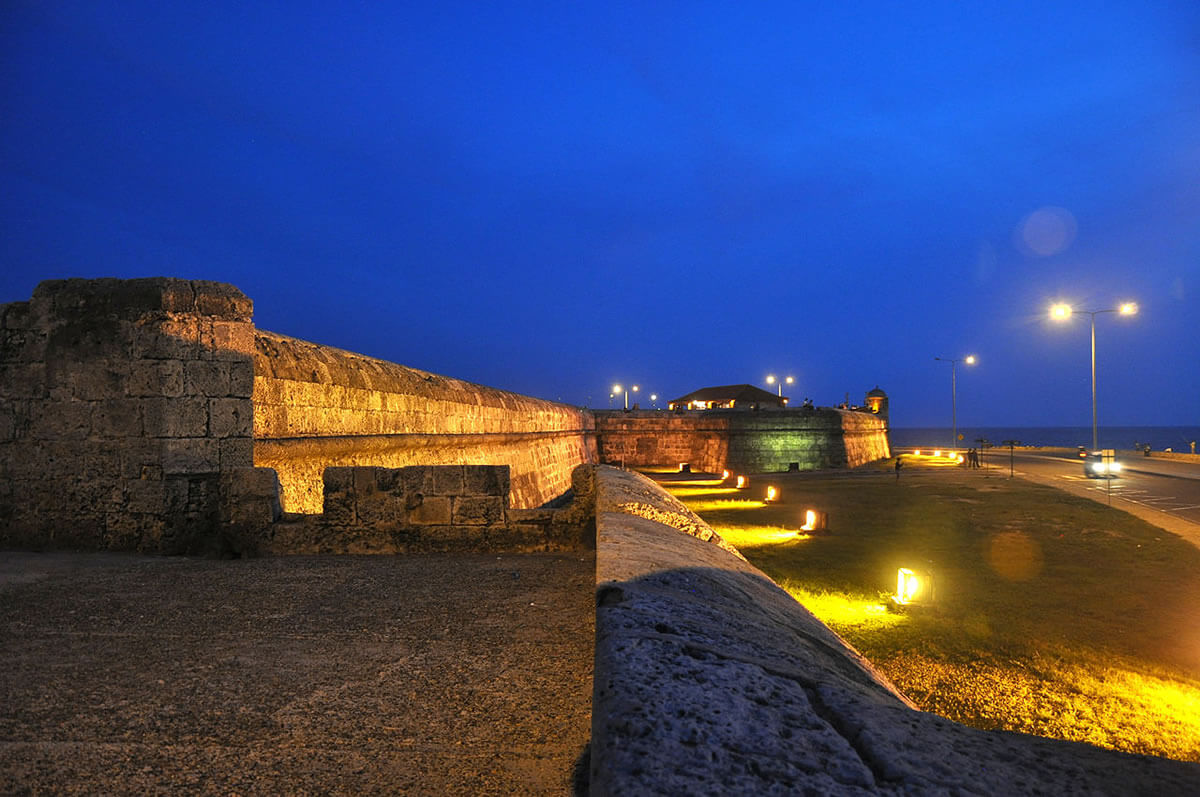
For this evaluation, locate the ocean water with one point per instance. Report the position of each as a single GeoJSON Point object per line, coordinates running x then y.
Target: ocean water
{"type": "Point", "coordinates": [1119, 437]}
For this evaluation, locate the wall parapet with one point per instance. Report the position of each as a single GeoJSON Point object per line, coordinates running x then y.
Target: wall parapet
{"type": "Point", "coordinates": [415, 509]}
{"type": "Point", "coordinates": [316, 406]}
{"type": "Point", "coordinates": [709, 678]}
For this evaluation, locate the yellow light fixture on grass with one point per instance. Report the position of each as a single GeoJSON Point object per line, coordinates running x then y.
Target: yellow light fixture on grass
{"type": "Point", "coordinates": [724, 475]}
{"type": "Point", "coordinates": [742, 482]}
{"type": "Point", "coordinates": [815, 520]}
{"type": "Point", "coordinates": [772, 494]}
{"type": "Point", "coordinates": [913, 589]}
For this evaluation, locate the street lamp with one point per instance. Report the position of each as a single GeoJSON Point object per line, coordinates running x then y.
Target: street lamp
{"type": "Point", "coordinates": [969, 360]}
{"type": "Point", "coordinates": [618, 389]}
{"type": "Point", "coordinates": [654, 400]}
{"type": "Point", "coordinates": [771, 380]}
{"type": "Point", "coordinates": [1062, 312]}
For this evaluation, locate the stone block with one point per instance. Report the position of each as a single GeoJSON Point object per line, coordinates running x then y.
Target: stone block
{"type": "Point", "coordinates": [97, 380]}
{"type": "Point", "coordinates": [23, 381]}
{"type": "Point", "coordinates": [102, 460]}
{"type": "Point", "coordinates": [241, 379]}
{"type": "Point", "coordinates": [229, 341]}
{"type": "Point", "coordinates": [148, 496]}
{"type": "Point", "coordinates": [8, 424]}
{"type": "Point", "coordinates": [230, 417]}
{"type": "Point", "coordinates": [22, 345]}
{"type": "Point", "coordinates": [486, 480]}
{"type": "Point", "coordinates": [477, 510]}
{"type": "Point", "coordinates": [162, 378]}
{"type": "Point", "coordinates": [432, 510]}
{"type": "Point", "coordinates": [222, 300]}
{"type": "Point", "coordinates": [167, 339]}
{"type": "Point", "coordinates": [66, 420]}
{"type": "Point", "coordinates": [117, 418]}
{"type": "Point", "coordinates": [250, 496]}
{"type": "Point", "coordinates": [237, 452]}
{"type": "Point", "coordinates": [447, 479]}
{"type": "Point", "coordinates": [380, 497]}
{"type": "Point", "coordinates": [175, 417]}
{"type": "Point", "coordinates": [191, 455]}
{"type": "Point", "coordinates": [206, 378]}
{"type": "Point", "coordinates": [339, 506]}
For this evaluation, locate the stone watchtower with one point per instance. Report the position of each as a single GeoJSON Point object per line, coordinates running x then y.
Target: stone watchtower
{"type": "Point", "coordinates": [877, 402]}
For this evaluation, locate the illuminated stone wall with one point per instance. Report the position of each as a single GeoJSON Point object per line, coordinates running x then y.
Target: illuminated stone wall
{"type": "Point", "coordinates": [120, 401]}
{"type": "Point", "coordinates": [125, 405]}
{"type": "Point", "coordinates": [316, 406]}
{"type": "Point", "coordinates": [763, 441]}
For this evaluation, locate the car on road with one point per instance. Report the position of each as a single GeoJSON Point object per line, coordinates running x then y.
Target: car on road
{"type": "Point", "coordinates": [1100, 465]}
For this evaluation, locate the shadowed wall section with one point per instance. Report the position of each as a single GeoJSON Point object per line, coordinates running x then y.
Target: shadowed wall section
{"type": "Point", "coordinates": [763, 441]}
{"type": "Point", "coordinates": [317, 407]}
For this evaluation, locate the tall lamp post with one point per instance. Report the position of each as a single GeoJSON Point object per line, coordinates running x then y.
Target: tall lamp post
{"type": "Point", "coordinates": [954, 361]}
{"type": "Point", "coordinates": [618, 389]}
{"type": "Point", "coordinates": [771, 380]}
{"type": "Point", "coordinates": [1062, 312]}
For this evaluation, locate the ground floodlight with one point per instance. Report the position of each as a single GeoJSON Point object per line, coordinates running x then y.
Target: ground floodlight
{"type": "Point", "coordinates": [742, 482]}
{"type": "Point", "coordinates": [772, 494]}
{"type": "Point", "coordinates": [913, 589]}
{"type": "Point", "coordinates": [685, 467]}
{"type": "Point", "coordinates": [815, 520]}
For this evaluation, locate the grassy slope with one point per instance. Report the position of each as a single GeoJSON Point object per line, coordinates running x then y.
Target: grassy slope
{"type": "Point", "coordinates": [1056, 615]}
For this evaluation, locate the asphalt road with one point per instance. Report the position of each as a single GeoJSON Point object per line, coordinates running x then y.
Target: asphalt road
{"type": "Point", "coordinates": [1162, 485]}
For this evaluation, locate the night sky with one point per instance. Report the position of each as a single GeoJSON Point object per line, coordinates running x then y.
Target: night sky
{"type": "Point", "coordinates": [550, 198]}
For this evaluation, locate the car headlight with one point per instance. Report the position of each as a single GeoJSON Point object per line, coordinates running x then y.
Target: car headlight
{"type": "Point", "coordinates": [1116, 466]}
{"type": "Point", "coordinates": [1098, 467]}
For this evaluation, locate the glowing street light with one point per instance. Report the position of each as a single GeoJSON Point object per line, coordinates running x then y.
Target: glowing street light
{"type": "Point", "coordinates": [969, 360]}
{"type": "Point", "coordinates": [618, 389]}
{"type": "Point", "coordinates": [771, 380]}
{"type": "Point", "coordinates": [1062, 312]}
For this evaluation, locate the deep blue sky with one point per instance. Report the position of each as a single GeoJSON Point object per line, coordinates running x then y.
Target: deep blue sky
{"type": "Point", "coordinates": [550, 197]}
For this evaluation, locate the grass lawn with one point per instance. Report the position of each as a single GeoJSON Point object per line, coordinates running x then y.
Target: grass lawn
{"type": "Point", "coordinates": [1055, 615]}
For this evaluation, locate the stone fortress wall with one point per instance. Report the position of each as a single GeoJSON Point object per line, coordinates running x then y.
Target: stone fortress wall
{"type": "Point", "coordinates": [746, 441]}
{"type": "Point", "coordinates": [133, 414]}
{"type": "Point", "coordinates": [152, 415]}
{"type": "Point", "coordinates": [317, 407]}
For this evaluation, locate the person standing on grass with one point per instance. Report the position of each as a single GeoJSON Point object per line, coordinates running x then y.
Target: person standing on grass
{"type": "Point", "coordinates": [897, 467]}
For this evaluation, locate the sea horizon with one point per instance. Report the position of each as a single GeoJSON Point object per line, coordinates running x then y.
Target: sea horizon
{"type": "Point", "coordinates": [1159, 438]}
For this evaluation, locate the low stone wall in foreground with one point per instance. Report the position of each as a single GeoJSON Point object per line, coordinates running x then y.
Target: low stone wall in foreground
{"type": "Point", "coordinates": [710, 679]}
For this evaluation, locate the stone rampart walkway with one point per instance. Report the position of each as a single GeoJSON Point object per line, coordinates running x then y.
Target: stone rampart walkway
{"type": "Point", "coordinates": [433, 674]}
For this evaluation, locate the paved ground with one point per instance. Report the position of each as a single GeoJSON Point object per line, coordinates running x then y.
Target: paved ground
{"type": "Point", "coordinates": [465, 674]}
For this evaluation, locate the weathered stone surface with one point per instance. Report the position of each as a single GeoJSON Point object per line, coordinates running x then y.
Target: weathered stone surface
{"type": "Point", "coordinates": [206, 378]}
{"type": "Point", "coordinates": [191, 455]}
{"type": "Point", "coordinates": [186, 416]}
{"type": "Point", "coordinates": [230, 417]}
{"type": "Point", "coordinates": [160, 378]}
{"type": "Point", "coordinates": [480, 510]}
{"type": "Point", "coordinates": [432, 510]}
